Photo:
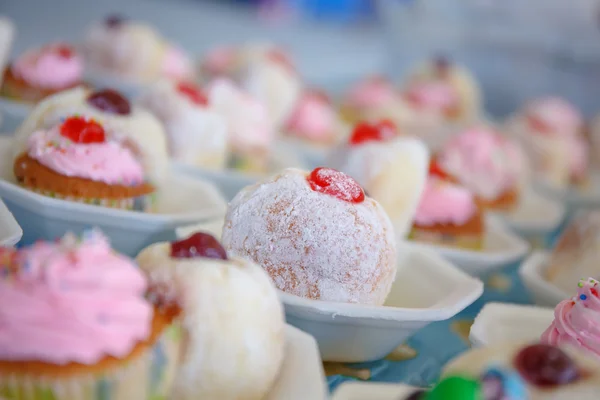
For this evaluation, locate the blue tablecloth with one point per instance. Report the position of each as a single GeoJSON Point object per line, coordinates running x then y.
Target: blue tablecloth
{"type": "Point", "coordinates": [420, 360]}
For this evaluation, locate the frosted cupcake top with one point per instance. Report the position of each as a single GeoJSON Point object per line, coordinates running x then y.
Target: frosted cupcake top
{"type": "Point", "coordinates": [55, 66]}
{"type": "Point", "coordinates": [437, 96]}
{"type": "Point", "coordinates": [74, 300]}
{"type": "Point", "coordinates": [444, 203]}
{"type": "Point", "coordinates": [480, 159]}
{"type": "Point", "coordinates": [577, 320]}
{"type": "Point", "coordinates": [81, 148]}
{"type": "Point", "coordinates": [313, 118]}
{"type": "Point", "coordinates": [553, 115]}
{"type": "Point", "coordinates": [372, 92]}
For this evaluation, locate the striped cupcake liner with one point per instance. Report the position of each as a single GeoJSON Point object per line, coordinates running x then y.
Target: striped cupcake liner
{"type": "Point", "coordinates": [140, 203]}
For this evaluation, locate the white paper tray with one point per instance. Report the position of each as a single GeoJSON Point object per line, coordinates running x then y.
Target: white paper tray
{"type": "Point", "coordinates": [10, 231]}
{"type": "Point", "coordinates": [544, 293]}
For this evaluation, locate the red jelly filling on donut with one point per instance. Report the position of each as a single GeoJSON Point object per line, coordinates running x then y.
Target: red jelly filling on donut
{"type": "Point", "coordinates": [193, 93]}
{"type": "Point", "coordinates": [380, 131]}
{"type": "Point", "coordinates": [337, 184]}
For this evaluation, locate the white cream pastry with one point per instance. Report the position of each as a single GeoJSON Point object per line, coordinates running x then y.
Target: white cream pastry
{"type": "Point", "coordinates": [141, 130]}
{"type": "Point", "coordinates": [250, 130]}
{"type": "Point", "coordinates": [232, 320]}
{"type": "Point", "coordinates": [467, 103]}
{"type": "Point", "coordinates": [316, 234]}
{"type": "Point", "coordinates": [528, 372]}
{"type": "Point", "coordinates": [134, 50]}
{"type": "Point", "coordinates": [7, 33]}
{"type": "Point", "coordinates": [197, 135]}
{"type": "Point", "coordinates": [391, 168]}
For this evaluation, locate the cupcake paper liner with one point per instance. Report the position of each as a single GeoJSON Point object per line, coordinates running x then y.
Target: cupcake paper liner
{"type": "Point", "coordinates": [136, 203]}
{"type": "Point", "coordinates": [468, 242]}
{"type": "Point", "coordinates": [147, 377]}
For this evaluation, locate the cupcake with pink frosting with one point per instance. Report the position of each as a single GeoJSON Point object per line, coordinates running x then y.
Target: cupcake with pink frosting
{"type": "Point", "coordinates": [486, 163]}
{"type": "Point", "coordinates": [577, 320]}
{"type": "Point", "coordinates": [76, 324]}
{"type": "Point", "coordinates": [250, 130]}
{"type": "Point", "coordinates": [552, 132]}
{"type": "Point", "coordinates": [134, 51]}
{"type": "Point", "coordinates": [448, 215]}
{"type": "Point", "coordinates": [78, 160]}
{"type": "Point", "coordinates": [372, 99]}
{"type": "Point", "coordinates": [314, 121]}
{"type": "Point", "coordinates": [41, 72]}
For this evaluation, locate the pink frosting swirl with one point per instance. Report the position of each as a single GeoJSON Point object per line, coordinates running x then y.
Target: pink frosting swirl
{"type": "Point", "coordinates": [577, 320]}
{"type": "Point", "coordinates": [70, 301]}
{"type": "Point", "coordinates": [481, 160]}
{"type": "Point", "coordinates": [109, 162]}
{"type": "Point", "coordinates": [444, 203]}
{"type": "Point", "coordinates": [176, 63]}
{"type": "Point", "coordinates": [371, 92]}
{"type": "Point", "coordinates": [313, 118]}
{"type": "Point", "coordinates": [55, 66]}
{"type": "Point", "coordinates": [555, 115]}
{"type": "Point", "coordinates": [433, 95]}
{"type": "Point", "coordinates": [220, 60]}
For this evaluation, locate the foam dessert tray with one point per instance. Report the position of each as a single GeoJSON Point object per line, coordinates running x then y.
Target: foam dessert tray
{"type": "Point", "coordinates": [573, 198]}
{"type": "Point", "coordinates": [501, 322]}
{"type": "Point", "coordinates": [544, 293]}
{"type": "Point", "coordinates": [10, 231]}
{"type": "Point", "coordinates": [180, 201]}
{"type": "Point", "coordinates": [372, 391]}
{"type": "Point", "coordinates": [501, 247]}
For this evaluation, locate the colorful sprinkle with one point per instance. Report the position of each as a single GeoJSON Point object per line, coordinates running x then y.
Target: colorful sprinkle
{"type": "Point", "coordinates": [583, 297]}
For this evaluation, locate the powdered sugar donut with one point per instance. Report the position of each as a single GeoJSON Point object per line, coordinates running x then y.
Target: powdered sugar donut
{"type": "Point", "coordinates": [196, 133]}
{"type": "Point", "coordinates": [232, 319]}
{"type": "Point", "coordinates": [316, 234]}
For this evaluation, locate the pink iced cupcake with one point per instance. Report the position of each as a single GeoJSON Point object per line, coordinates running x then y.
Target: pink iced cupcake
{"type": "Point", "coordinates": [577, 320]}
{"type": "Point", "coordinates": [552, 132]}
{"type": "Point", "coordinates": [448, 215]}
{"type": "Point", "coordinates": [484, 162]}
{"type": "Point", "coordinates": [42, 72]}
{"type": "Point", "coordinates": [314, 120]}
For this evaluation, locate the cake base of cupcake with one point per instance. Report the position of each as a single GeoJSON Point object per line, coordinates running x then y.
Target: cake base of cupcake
{"type": "Point", "coordinates": [17, 89]}
{"type": "Point", "coordinates": [146, 373]}
{"type": "Point", "coordinates": [505, 202]}
{"type": "Point", "coordinates": [40, 179]}
{"type": "Point", "coordinates": [469, 235]}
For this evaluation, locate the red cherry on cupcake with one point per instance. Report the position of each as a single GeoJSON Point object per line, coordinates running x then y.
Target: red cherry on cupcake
{"type": "Point", "coordinates": [337, 184]}
{"type": "Point", "coordinates": [110, 101]}
{"type": "Point", "coordinates": [545, 365]}
{"type": "Point", "coordinates": [436, 170]}
{"type": "Point", "coordinates": [80, 130]}
{"type": "Point", "coordinates": [193, 93]}
{"type": "Point", "coordinates": [198, 245]}
{"type": "Point", "coordinates": [367, 132]}
{"type": "Point", "coordinates": [538, 125]}
{"type": "Point", "coordinates": [64, 51]}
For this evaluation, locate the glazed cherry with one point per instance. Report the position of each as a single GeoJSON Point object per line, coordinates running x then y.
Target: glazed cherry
{"type": "Point", "coordinates": [416, 395]}
{"type": "Point", "coordinates": [81, 130]}
{"type": "Point", "coordinates": [114, 20]}
{"type": "Point", "coordinates": [193, 93]}
{"type": "Point", "coordinates": [545, 365]}
{"type": "Point", "coordinates": [64, 51]}
{"type": "Point", "coordinates": [337, 184]}
{"type": "Point", "coordinates": [436, 170]}
{"type": "Point", "coordinates": [367, 132]}
{"type": "Point", "coordinates": [110, 101]}
{"type": "Point", "coordinates": [198, 245]}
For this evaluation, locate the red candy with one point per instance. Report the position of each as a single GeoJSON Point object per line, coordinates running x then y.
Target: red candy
{"type": "Point", "coordinates": [545, 365]}
{"type": "Point", "coordinates": [64, 51]}
{"type": "Point", "coordinates": [436, 170]}
{"type": "Point", "coordinates": [337, 184]}
{"type": "Point", "coordinates": [110, 101]}
{"type": "Point", "coordinates": [366, 132]}
{"type": "Point", "coordinates": [193, 93]}
{"type": "Point", "coordinates": [80, 130]}
{"type": "Point", "coordinates": [198, 245]}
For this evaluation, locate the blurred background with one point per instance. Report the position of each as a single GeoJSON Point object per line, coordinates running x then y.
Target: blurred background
{"type": "Point", "coordinates": [518, 49]}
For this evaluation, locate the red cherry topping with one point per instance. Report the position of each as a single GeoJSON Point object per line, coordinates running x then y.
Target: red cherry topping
{"type": "Point", "coordinates": [538, 125]}
{"type": "Point", "coordinates": [80, 130]}
{"type": "Point", "coordinates": [198, 245]}
{"type": "Point", "coordinates": [110, 101]}
{"type": "Point", "coordinates": [193, 93]}
{"type": "Point", "coordinates": [64, 51]}
{"type": "Point", "coordinates": [337, 184]}
{"type": "Point", "coordinates": [366, 132]}
{"type": "Point", "coordinates": [436, 170]}
{"type": "Point", "coordinates": [545, 365]}
{"type": "Point", "coordinates": [594, 292]}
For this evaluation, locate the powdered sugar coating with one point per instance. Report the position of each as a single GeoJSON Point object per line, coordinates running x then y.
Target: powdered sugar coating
{"type": "Point", "coordinates": [311, 244]}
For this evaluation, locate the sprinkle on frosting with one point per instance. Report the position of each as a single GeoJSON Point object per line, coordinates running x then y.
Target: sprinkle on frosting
{"type": "Point", "coordinates": [444, 203]}
{"type": "Point", "coordinates": [74, 300]}
{"type": "Point", "coordinates": [107, 161]}
{"type": "Point", "coordinates": [55, 66]}
{"type": "Point", "coordinates": [577, 320]}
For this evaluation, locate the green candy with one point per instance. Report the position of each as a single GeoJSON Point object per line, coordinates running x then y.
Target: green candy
{"type": "Point", "coordinates": [455, 388]}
